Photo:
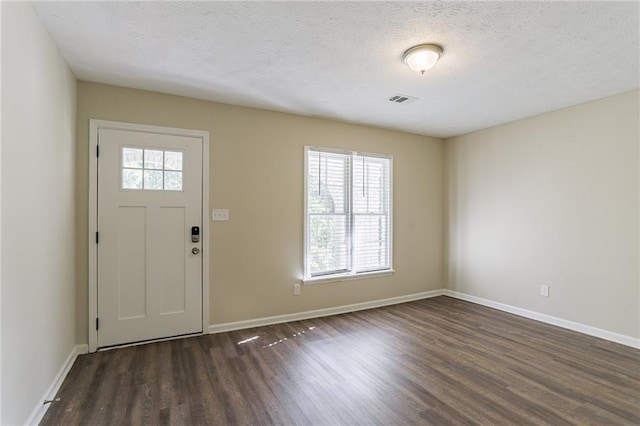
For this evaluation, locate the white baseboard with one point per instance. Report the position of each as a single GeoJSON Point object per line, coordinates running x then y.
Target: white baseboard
{"type": "Point", "coordinates": [548, 319]}
{"type": "Point", "coordinates": [39, 411]}
{"type": "Point", "coordinates": [258, 322]}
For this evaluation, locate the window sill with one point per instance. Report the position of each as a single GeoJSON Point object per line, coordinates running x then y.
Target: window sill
{"type": "Point", "coordinates": [347, 277]}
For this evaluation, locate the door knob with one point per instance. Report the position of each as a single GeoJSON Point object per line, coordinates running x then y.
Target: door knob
{"type": "Point", "coordinates": [195, 250]}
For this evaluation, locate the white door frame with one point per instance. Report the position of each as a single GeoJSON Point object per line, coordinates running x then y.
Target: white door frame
{"type": "Point", "coordinates": [94, 127]}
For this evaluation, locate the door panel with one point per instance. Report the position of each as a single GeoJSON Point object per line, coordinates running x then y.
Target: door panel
{"type": "Point", "coordinates": [132, 237]}
{"type": "Point", "coordinates": [173, 223]}
{"type": "Point", "coordinates": [149, 197]}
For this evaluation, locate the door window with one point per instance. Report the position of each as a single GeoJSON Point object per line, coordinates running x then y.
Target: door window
{"type": "Point", "coordinates": [151, 169]}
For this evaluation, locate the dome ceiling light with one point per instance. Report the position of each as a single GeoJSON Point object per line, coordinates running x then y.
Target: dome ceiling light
{"type": "Point", "coordinates": [422, 57]}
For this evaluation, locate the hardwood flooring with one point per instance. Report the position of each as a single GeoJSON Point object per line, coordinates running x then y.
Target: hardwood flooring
{"type": "Point", "coordinates": [435, 361]}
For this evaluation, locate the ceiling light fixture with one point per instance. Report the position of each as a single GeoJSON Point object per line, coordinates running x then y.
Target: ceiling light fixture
{"type": "Point", "coordinates": [422, 57]}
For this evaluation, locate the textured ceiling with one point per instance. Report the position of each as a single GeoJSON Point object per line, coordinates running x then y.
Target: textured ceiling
{"type": "Point", "coordinates": [502, 60]}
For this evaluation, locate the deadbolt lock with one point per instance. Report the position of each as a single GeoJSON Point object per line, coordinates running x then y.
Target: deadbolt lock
{"type": "Point", "coordinates": [195, 234]}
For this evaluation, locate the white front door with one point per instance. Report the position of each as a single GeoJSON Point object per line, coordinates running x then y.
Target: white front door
{"type": "Point", "coordinates": [149, 267]}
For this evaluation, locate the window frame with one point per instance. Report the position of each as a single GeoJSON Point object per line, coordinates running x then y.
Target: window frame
{"type": "Point", "coordinates": [351, 274]}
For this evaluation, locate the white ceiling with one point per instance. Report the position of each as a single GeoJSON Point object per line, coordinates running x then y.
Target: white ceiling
{"type": "Point", "coordinates": [502, 60]}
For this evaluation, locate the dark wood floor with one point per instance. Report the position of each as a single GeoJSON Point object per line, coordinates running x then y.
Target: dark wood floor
{"type": "Point", "coordinates": [435, 361]}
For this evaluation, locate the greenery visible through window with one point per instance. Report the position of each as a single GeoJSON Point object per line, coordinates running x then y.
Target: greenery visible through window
{"type": "Point", "coordinates": [348, 213]}
{"type": "Point", "coordinates": [151, 169]}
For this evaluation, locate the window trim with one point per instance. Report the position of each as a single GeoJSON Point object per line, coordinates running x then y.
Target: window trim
{"type": "Point", "coordinates": [338, 277]}
{"type": "Point", "coordinates": [332, 278]}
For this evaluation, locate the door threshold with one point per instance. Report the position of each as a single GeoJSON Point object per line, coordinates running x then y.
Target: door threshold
{"type": "Point", "coordinates": [144, 342]}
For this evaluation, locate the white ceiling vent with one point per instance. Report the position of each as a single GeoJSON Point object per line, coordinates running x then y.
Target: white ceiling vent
{"type": "Point", "coordinates": [402, 99]}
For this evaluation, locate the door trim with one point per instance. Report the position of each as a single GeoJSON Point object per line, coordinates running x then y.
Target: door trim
{"type": "Point", "coordinates": [94, 126]}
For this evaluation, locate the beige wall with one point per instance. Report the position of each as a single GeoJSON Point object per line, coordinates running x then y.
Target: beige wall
{"type": "Point", "coordinates": [551, 200]}
{"type": "Point", "coordinates": [38, 229]}
{"type": "Point", "coordinates": [256, 164]}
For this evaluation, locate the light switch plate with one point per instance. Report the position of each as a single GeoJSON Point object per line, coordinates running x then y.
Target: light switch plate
{"type": "Point", "coordinates": [219, 215]}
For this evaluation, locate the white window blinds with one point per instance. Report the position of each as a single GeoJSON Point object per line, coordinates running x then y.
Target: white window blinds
{"type": "Point", "coordinates": [371, 207]}
{"type": "Point", "coordinates": [348, 213]}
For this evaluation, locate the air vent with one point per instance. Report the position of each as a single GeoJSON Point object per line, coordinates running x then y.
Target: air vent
{"type": "Point", "coordinates": [402, 99]}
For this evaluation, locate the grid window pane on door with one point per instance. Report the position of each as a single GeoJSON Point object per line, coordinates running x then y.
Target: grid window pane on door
{"type": "Point", "coordinates": [348, 213]}
{"type": "Point", "coordinates": [151, 169]}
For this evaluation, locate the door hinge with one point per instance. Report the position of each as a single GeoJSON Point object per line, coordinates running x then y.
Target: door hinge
{"type": "Point", "coordinates": [97, 323]}
{"type": "Point", "coordinates": [97, 150]}
{"type": "Point", "coordinates": [97, 237]}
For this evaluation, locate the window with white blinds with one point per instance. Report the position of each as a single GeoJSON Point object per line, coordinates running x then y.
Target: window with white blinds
{"type": "Point", "coordinates": [348, 213]}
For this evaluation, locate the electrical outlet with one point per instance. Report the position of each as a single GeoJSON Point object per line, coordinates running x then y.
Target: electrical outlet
{"type": "Point", "coordinates": [219, 215]}
{"type": "Point", "coordinates": [296, 289]}
{"type": "Point", "coordinates": [544, 290]}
